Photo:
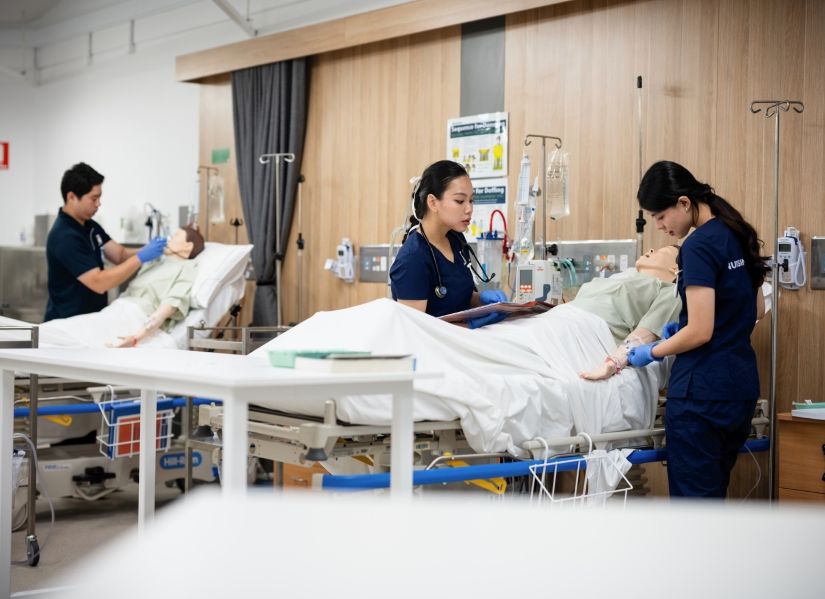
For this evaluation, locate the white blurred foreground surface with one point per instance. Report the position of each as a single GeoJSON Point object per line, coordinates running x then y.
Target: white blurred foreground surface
{"type": "Point", "coordinates": [303, 545]}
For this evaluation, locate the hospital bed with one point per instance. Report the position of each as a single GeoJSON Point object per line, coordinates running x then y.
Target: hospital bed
{"type": "Point", "coordinates": [510, 390]}
{"type": "Point", "coordinates": [503, 386]}
{"type": "Point", "coordinates": [219, 285]}
{"type": "Point", "coordinates": [80, 470]}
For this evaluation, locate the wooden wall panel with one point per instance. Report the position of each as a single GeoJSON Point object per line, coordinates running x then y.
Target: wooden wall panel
{"type": "Point", "coordinates": [378, 113]}
{"type": "Point", "coordinates": [571, 72]}
{"type": "Point", "coordinates": [377, 117]}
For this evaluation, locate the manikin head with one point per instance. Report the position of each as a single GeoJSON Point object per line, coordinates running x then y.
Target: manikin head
{"type": "Point", "coordinates": [186, 242]}
{"type": "Point", "coordinates": [659, 263]}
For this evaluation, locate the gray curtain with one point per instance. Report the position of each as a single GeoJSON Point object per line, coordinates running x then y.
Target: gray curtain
{"type": "Point", "coordinates": [269, 105]}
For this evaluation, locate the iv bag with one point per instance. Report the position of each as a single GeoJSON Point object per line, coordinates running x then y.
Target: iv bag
{"type": "Point", "coordinates": [556, 184]}
{"type": "Point", "coordinates": [215, 199]}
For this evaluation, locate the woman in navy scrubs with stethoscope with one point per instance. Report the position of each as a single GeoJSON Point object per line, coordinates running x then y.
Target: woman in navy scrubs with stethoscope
{"type": "Point", "coordinates": [432, 271]}
{"type": "Point", "coordinates": [714, 382]}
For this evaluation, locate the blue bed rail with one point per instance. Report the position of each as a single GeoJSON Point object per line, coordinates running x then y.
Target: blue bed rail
{"type": "Point", "coordinates": [90, 407]}
{"type": "Point", "coordinates": [361, 482]}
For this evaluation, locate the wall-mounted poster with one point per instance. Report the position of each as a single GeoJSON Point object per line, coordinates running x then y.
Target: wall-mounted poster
{"type": "Point", "coordinates": [488, 195]}
{"type": "Point", "coordinates": [479, 143]}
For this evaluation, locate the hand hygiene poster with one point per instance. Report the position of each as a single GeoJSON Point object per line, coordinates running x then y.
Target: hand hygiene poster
{"type": "Point", "coordinates": [479, 143]}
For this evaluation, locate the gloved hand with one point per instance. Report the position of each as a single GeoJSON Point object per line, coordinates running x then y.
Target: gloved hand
{"type": "Point", "coordinates": [641, 355]}
{"type": "Point", "coordinates": [152, 250]}
{"type": "Point", "coordinates": [490, 318]}
{"type": "Point", "coordinates": [670, 329]}
{"type": "Point", "coordinates": [491, 296]}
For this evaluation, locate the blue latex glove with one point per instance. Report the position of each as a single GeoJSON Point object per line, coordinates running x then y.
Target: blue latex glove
{"type": "Point", "coordinates": [490, 318]}
{"type": "Point", "coordinates": [152, 250]}
{"type": "Point", "coordinates": [642, 355]}
{"type": "Point", "coordinates": [492, 296]}
{"type": "Point", "coordinates": [670, 329]}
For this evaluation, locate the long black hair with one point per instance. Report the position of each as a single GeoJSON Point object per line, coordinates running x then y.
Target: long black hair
{"type": "Point", "coordinates": [435, 180]}
{"type": "Point", "coordinates": [665, 182]}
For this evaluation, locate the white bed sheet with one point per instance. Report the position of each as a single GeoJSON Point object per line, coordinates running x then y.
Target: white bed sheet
{"type": "Point", "coordinates": [507, 383]}
{"type": "Point", "coordinates": [121, 318]}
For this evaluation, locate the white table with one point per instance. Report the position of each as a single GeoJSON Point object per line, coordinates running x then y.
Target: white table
{"type": "Point", "coordinates": [236, 380]}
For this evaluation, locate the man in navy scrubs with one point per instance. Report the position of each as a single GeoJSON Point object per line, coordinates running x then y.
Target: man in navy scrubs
{"type": "Point", "coordinates": [77, 245]}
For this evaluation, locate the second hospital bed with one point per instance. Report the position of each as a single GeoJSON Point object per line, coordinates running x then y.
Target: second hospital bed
{"type": "Point", "coordinates": [219, 285]}
{"type": "Point", "coordinates": [502, 385]}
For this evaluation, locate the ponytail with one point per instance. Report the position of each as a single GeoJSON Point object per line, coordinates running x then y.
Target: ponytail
{"type": "Point", "coordinates": [665, 182]}
{"type": "Point", "coordinates": [434, 180]}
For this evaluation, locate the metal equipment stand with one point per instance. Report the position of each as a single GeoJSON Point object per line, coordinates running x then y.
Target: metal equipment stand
{"type": "Point", "coordinates": [299, 266]}
{"type": "Point", "coordinates": [640, 218]}
{"type": "Point", "coordinates": [32, 546]}
{"type": "Point", "coordinates": [209, 170]}
{"type": "Point", "coordinates": [773, 109]}
{"type": "Point", "coordinates": [543, 138]}
{"type": "Point", "coordinates": [278, 157]}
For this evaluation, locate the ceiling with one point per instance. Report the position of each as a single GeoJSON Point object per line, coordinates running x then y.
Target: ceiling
{"type": "Point", "coordinates": [24, 12]}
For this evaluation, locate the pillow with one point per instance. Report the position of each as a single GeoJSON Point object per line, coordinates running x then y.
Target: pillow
{"type": "Point", "coordinates": [218, 265]}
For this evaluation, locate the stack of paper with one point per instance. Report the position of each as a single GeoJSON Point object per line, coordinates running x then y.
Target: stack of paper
{"type": "Point", "coordinates": [809, 409]}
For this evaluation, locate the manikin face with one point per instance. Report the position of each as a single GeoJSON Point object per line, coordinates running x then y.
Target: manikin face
{"type": "Point", "coordinates": [178, 246]}
{"type": "Point", "coordinates": [455, 208]}
{"type": "Point", "coordinates": [660, 263]}
{"type": "Point", "coordinates": [84, 207]}
{"type": "Point", "coordinates": [677, 220]}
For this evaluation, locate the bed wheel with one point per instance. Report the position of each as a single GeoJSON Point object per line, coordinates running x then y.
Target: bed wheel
{"type": "Point", "coordinates": [32, 551]}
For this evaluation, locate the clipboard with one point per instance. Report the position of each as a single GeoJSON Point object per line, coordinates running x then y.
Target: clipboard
{"type": "Point", "coordinates": [513, 309]}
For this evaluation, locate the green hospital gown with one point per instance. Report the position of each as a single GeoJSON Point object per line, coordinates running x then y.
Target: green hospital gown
{"type": "Point", "coordinates": [626, 302]}
{"type": "Point", "coordinates": [166, 281]}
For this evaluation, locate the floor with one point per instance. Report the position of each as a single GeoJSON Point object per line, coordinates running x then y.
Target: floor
{"type": "Point", "coordinates": [80, 527]}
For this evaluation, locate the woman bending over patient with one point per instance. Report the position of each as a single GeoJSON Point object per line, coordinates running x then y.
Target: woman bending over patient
{"type": "Point", "coordinates": [162, 288]}
{"type": "Point", "coordinates": [635, 306]}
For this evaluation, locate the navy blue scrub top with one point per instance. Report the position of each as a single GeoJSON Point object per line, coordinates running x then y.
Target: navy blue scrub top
{"type": "Point", "coordinates": [725, 367]}
{"type": "Point", "coordinates": [413, 275]}
{"type": "Point", "coordinates": [73, 249]}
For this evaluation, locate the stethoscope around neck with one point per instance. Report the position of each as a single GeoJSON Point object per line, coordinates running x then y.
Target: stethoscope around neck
{"type": "Point", "coordinates": [467, 256]}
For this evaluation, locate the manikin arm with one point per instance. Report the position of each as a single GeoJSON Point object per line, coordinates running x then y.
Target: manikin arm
{"type": "Point", "coordinates": [618, 358]}
{"type": "Point", "coordinates": [153, 321]}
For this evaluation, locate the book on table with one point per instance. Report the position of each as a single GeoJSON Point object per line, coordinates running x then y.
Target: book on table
{"type": "Point", "coordinates": [513, 310]}
{"type": "Point", "coordinates": [341, 363]}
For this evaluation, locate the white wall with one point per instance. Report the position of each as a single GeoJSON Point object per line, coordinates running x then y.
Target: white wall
{"type": "Point", "coordinates": [17, 125]}
{"type": "Point", "coordinates": [124, 113]}
{"type": "Point", "coordinates": [128, 118]}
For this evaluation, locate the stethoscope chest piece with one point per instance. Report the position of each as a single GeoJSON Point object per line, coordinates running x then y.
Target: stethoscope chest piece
{"type": "Point", "coordinates": [440, 291]}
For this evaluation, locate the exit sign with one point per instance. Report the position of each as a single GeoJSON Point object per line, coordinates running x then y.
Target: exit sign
{"type": "Point", "coordinates": [4, 155]}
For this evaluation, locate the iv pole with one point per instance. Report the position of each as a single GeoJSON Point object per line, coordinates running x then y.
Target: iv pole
{"type": "Point", "coordinates": [640, 219]}
{"type": "Point", "coordinates": [527, 142]}
{"type": "Point", "coordinates": [300, 252]}
{"type": "Point", "coordinates": [209, 170]}
{"type": "Point", "coordinates": [773, 109]}
{"type": "Point", "coordinates": [265, 159]}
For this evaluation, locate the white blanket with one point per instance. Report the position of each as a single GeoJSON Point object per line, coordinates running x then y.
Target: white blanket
{"type": "Point", "coordinates": [507, 383]}
{"type": "Point", "coordinates": [120, 318]}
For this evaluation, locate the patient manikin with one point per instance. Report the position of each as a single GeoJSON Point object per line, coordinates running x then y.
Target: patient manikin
{"type": "Point", "coordinates": [162, 288]}
{"type": "Point", "coordinates": [635, 306]}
